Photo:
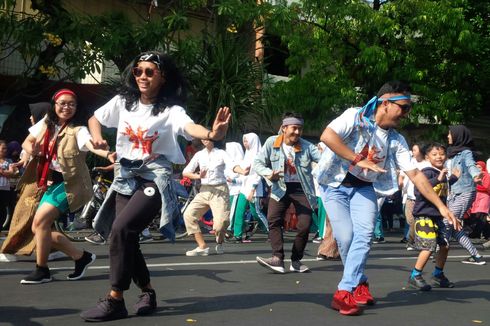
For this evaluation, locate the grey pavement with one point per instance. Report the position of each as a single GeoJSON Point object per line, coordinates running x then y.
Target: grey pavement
{"type": "Point", "coordinates": [232, 289]}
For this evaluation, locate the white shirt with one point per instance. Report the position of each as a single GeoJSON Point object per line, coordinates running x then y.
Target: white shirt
{"type": "Point", "coordinates": [213, 162]}
{"type": "Point", "coordinates": [408, 186]}
{"type": "Point", "coordinates": [83, 136]}
{"type": "Point", "coordinates": [141, 134]}
{"type": "Point", "coordinates": [375, 150]}
{"type": "Point", "coordinates": [290, 172]}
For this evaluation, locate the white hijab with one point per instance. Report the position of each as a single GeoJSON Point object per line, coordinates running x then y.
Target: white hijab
{"type": "Point", "coordinates": [254, 146]}
{"type": "Point", "coordinates": [235, 151]}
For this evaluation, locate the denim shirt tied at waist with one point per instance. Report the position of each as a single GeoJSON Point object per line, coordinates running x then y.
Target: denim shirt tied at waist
{"type": "Point", "coordinates": [272, 158]}
{"type": "Point", "coordinates": [158, 170]}
{"type": "Point", "coordinates": [464, 162]}
{"type": "Point", "coordinates": [332, 169]}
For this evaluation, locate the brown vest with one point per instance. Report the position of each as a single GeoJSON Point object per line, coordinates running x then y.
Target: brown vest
{"type": "Point", "coordinates": [78, 185]}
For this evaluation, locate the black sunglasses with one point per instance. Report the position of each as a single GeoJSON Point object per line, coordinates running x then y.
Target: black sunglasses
{"type": "Point", "coordinates": [149, 72]}
{"type": "Point", "coordinates": [405, 107]}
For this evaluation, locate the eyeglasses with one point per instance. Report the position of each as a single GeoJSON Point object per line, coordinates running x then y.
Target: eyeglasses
{"type": "Point", "coordinates": [71, 105]}
{"type": "Point", "coordinates": [406, 108]}
{"type": "Point", "coordinates": [149, 72]}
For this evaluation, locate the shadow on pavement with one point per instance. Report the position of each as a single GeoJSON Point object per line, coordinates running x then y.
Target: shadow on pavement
{"type": "Point", "coordinates": [23, 316]}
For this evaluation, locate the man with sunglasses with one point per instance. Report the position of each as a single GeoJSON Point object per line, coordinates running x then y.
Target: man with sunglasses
{"type": "Point", "coordinates": [360, 163]}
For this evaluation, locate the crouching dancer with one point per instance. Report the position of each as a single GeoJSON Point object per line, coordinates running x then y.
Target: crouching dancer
{"type": "Point", "coordinates": [285, 163]}
{"type": "Point", "coordinates": [363, 153]}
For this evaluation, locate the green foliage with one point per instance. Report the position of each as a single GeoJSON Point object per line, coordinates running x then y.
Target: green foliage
{"type": "Point", "coordinates": [340, 48]}
{"type": "Point", "coordinates": [340, 52]}
{"type": "Point", "coordinates": [221, 73]}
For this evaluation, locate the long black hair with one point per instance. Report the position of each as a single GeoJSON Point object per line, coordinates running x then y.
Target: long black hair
{"type": "Point", "coordinates": [173, 91]}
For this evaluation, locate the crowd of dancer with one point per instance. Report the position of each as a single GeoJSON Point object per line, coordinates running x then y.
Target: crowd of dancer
{"type": "Point", "coordinates": [338, 185]}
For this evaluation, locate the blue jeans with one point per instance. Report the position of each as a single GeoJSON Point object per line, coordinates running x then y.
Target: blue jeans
{"type": "Point", "coordinates": [351, 211]}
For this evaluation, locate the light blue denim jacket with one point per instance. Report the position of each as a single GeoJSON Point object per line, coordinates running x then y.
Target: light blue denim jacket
{"type": "Point", "coordinates": [159, 171]}
{"type": "Point", "coordinates": [271, 158]}
{"type": "Point", "coordinates": [332, 169]}
{"type": "Point", "coordinates": [464, 162]}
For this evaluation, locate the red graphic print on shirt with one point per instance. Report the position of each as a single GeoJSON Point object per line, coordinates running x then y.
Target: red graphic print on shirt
{"type": "Point", "coordinates": [140, 138]}
{"type": "Point", "coordinates": [290, 168]}
{"type": "Point", "coordinates": [371, 154]}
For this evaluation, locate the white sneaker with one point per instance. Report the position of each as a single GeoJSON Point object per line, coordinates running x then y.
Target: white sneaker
{"type": "Point", "coordinates": [197, 252]}
{"type": "Point", "coordinates": [56, 255]}
{"type": "Point", "coordinates": [6, 258]}
{"type": "Point", "coordinates": [219, 249]}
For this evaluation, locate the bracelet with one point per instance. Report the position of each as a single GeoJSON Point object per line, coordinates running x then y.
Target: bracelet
{"type": "Point", "coordinates": [359, 157]}
{"type": "Point", "coordinates": [209, 133]}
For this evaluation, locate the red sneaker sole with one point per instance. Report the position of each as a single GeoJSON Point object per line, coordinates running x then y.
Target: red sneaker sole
{"type": "Point", "coordinates": [351, 312]}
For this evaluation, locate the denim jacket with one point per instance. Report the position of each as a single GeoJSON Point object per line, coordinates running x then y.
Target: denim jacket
{"type": "Point", "coordinates": [332, 169]}
{"type": "Point", "coordinates": [159, 171]}
{"type": "Point", "coordinates": [271, 158]}
{"type": "Point", "coordinates": [464, 162]}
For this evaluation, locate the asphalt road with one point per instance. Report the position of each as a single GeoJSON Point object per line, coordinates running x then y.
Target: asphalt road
{"type": "Point", "coordinates": [232, 289]}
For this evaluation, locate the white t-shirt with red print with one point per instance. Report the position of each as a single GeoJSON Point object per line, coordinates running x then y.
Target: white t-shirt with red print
{"type": "Point", "coordinates": [290, 172]}
{"type": "Point", "coordinates": [376, 149]}
{"type": "Point", "coordinates": [140, 134]}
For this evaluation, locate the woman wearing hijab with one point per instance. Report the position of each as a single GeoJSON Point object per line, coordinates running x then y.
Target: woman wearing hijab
{"type": "Point", "coordinates": [249, 190]}
{"type": "Point", "coordinates": [481, 205]}
{"type": "Point", "coordinates": [462, 192]}
{"type": "Point", "coordinates": [233, 179]}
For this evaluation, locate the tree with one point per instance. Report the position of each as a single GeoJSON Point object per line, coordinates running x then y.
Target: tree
{"type": "Point", "coordinates": [342, 51]}
{"type": "Point", "coordinates": [217, 60]}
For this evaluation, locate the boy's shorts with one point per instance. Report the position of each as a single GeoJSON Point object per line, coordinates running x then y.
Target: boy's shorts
{"type": "Point", "coordinates": [429, 232]}
{"type": "Point", "coordinates": [56, 196]}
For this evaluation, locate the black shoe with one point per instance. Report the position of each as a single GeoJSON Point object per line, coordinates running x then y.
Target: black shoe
{"type": "Point", "coordinates": [106, 309]}
{"type": "Point", "coordinates": [418, 282]}
{"type": "Point", "coordinates": [441, 281]}
{"type": "Point", "coordinates": [81, 266]}
{"type": "Point", "coordinates": [404, 240]}
{"type": "Point", "coordinates": [147, 303]}
{"type": "Point", "coordinates": [379, 240]}
{"type": "Point", "coordinates": [38, 276]}
{"type": "Point", "coordinates": [474, 260]}
{"type": "Point", "coordinates": [321, 257]}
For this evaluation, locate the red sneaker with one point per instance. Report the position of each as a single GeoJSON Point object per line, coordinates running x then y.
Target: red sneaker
{"type": "Point", "coordinates": [344, 302]}
{"type": "Point", "coordinates": [362, 294]}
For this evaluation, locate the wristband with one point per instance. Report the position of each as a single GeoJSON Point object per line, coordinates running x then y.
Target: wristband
{"type": "Point", "coordinates": [359, 157]}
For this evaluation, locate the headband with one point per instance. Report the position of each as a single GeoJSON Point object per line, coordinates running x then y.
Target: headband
{"type": "Point", "coordinates": [292, 121]}
{"type": "Point", "coordinates": [64, 91]}
{"type": "Point", "coordinates": [365, 115]}
{"type": "Point", "coordinates": [396, 98]}
{"type": "Point", "coordinates": [150, 57]}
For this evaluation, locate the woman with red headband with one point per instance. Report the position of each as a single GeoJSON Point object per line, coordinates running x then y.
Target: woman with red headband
{"type": "Point", "coordinates": [56, 181]}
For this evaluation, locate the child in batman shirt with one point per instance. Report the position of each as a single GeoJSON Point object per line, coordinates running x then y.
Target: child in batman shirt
{"type": "Point", "coordinates": [429, 226]}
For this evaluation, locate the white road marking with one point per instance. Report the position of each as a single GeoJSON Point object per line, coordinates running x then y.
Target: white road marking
{"type": "Point", "coordinates": [211, 263]}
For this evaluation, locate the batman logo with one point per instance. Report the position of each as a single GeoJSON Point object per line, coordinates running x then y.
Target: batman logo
{"type": "Point", "coordinates": [425, 228]}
